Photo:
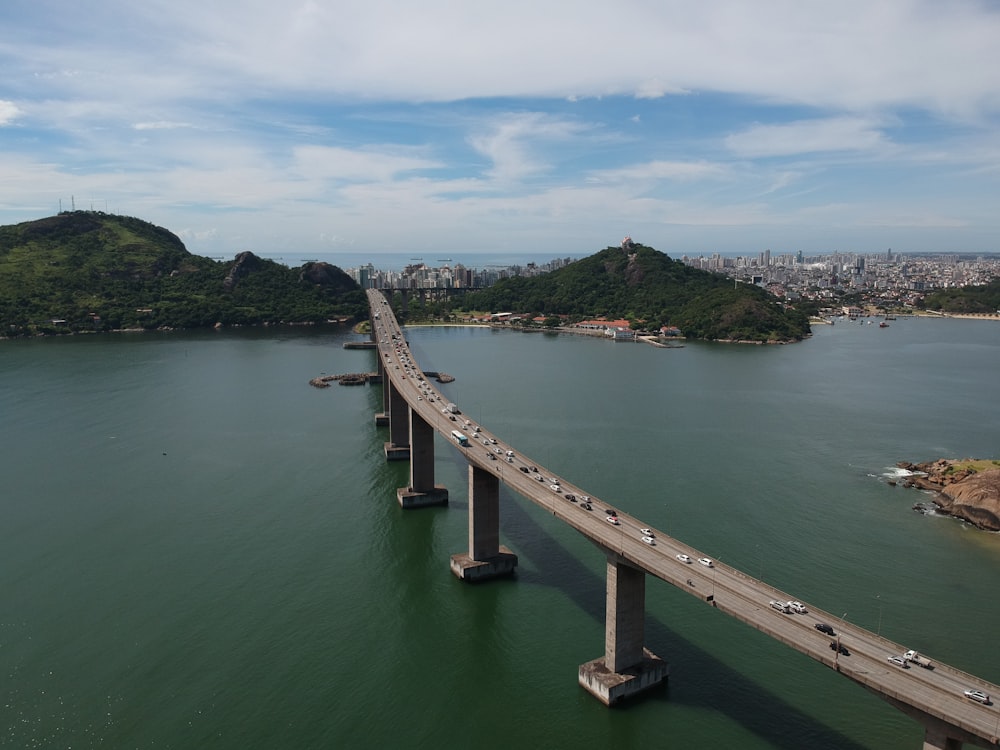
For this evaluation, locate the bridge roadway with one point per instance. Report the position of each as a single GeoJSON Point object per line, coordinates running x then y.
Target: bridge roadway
{"type": "Point", "coordinates": [925, 694]}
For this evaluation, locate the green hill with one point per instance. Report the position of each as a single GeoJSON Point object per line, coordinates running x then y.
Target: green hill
{"type": "Point", "coordinates": [86, 271]}
{"type": "Point", "coordinates": [645, 286]}
{"type": "Point", "coordinates": [982, 299]}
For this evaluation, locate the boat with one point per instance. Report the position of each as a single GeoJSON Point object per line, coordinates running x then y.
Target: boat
{"type": "Point", "coordinates": [883, 324]}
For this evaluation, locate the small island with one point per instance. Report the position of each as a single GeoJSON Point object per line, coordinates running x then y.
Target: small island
{"type": "Point", "coordinates": [964, 488]}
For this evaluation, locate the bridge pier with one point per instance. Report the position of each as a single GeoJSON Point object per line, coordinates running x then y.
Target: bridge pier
{"type": "Point", "coordinates": [627, 667]}
{"type": "Point", "coordinates": [938, 733]}
{"type": "Point", "coordinates": [486, 557]}
{"type": "Point", "coordinates": [398, 447]}
{"type": "Point", "coordinates": [936, 738]}
{"type": "Point", "coordinates": [382, 417]}
{"type": "Point", "coordinates": [422, 490]}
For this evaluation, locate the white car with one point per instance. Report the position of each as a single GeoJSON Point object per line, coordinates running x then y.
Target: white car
{"type": "Point", "coordinates": [978, 696]}
{"type": "Point", "coordinates": [707, 562]}
{"type": "Point", "coordinates": [684, 558]}
{"type": "Point", "coordinates": [646, 532]}
{"type": "Point", "coordinates": [554, 488]}
{"type": "Point", "coordinates": [797, 607]}
{"type": "Point", "coordinates": [612, 520]}
{"type": "Point", "coordinates": [780, 606]}
{"type": "Point", "coordinates": [649, 540]}
{"type": "Point", "coordinates": [899, 661]}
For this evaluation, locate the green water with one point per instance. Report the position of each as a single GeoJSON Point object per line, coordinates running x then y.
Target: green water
{"type": "Point", "coordinates": [197, 549]}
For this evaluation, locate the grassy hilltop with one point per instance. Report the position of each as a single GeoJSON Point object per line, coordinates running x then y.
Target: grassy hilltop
{"type": "Point", "coordinates": [641, 284]}
{"type": "Point", "coordinates": [90, 271]}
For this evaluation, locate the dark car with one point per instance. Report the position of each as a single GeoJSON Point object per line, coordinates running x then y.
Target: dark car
{"type": "Point", "coordinates": [824, 628]}
{"type": "Point", "coordinates": [834, 646]}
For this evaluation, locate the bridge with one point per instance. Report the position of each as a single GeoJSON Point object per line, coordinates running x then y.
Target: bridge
{"type": "Point", "coordinates": [936, 695]}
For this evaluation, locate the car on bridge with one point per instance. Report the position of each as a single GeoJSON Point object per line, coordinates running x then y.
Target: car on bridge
{"type": "Point", "coordinates": [824, 628]}
{"type": "Point", "coordinates": [780, 606]}
{"type": "Point", "coordinates": [686, 559]}
{"type": "Point", "coordinates": [707, 562]}
{"type": "Point", "coordinates": [797, 607]}
{"type": "Point", "coordinates": [647, 532]}
{"type": "Point", "coordinates": [649, 540]}
{"type": "Point", "coordinates": [899, 661]}
{"type": "Point", "coordinates": [612, 520]}
{"type": "Point", "coordinates": [978, 696]}
{"type": "Point", "coordinates": [839, 647]}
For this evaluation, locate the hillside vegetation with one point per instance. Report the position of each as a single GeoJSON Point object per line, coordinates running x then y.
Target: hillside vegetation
{"type": "Point", "coordinates": [649, 289]}
{"type": "Point", "coordinates": [984, 299]}
{"type": "Point", "coordinates": [85, 270]}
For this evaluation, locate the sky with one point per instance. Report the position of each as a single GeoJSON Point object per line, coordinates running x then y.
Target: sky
{"type": "Point", "coordinates": [329, 127]}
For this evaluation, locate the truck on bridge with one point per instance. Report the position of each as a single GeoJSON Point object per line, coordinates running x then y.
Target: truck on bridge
{"type": "Point", "coordinates": [916, 658]}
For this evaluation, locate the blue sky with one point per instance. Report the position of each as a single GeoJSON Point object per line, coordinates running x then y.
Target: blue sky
{"type": "Point", "coordinates": [326, 127]}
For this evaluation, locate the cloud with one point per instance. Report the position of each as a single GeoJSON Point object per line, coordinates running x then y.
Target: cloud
{"type": "Point", "coordinates": [807, 137]}
{"type": "Point", "coordinates": [515, 144]}
{"type": "Point", "coordinates": [8, 112]}
{"type": "Point", "coordinates": [160, 125]}
{"type": "Point", "coordinates": [384, 124]}
{"type": "Point", "coordinates": [660, 170]}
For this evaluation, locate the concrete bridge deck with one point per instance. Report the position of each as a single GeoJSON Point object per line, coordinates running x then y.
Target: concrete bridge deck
{"type": "Point", "coordinates": [935, 697]}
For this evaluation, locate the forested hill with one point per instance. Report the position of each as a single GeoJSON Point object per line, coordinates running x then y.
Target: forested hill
{"type": "Point", "coordinates": [641, 284]}
{"type": "Point", "coordinates": [86, 270]}
{"type": "Point", "coordinates": [982, 300]}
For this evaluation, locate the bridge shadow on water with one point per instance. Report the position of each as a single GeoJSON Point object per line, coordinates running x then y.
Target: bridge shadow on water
{"type": "Point", "coordinates": [744, 701]}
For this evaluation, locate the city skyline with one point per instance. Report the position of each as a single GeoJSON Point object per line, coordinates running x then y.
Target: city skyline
{"type": "Point", "coordinates": [318, 130]}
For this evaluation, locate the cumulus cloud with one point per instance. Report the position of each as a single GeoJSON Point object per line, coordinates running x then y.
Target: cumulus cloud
{"type": "Point", "coordinates": [8, 112]}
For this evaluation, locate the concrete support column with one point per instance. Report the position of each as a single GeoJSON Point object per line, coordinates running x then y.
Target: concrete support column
{"type": "Point", "coordinates": [422, 490]}
{"type": "Point", "coordinates": [627, 667]}
{"type": "Point", "coordinates": [624, 617]}
{"type": "Point", "coordinates": [398, 447]}
{"type": "Point", "coordinates": [486, 557]}
{"type": "Point", "coordinates": [382, 417]}
{"type": "Point", "coordinates": [935, 738]}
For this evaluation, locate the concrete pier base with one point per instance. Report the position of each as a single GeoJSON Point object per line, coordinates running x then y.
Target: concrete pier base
{"type": "Point", "coordinates": [410, 498]}
{"type": "Point", "coordinates": [611, 687]}
{"type": "Point", "coordinates": [395, 452]}
{"type": "Point", "coordinates": [381, 419]}
{"type": "Point", "coordinates": [502, 564]}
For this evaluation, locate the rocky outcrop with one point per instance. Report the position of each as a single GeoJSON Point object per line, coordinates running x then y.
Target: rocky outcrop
{"type": "Point", "coordinates": [966, 489]}
{"type": "Point", "coordinates": [244, 264]}
{"type": "Point", "coordinates": [326, 275]}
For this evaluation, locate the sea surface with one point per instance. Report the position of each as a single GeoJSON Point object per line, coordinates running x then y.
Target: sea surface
{"type": "Point", "coordinates": [199, 550]}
